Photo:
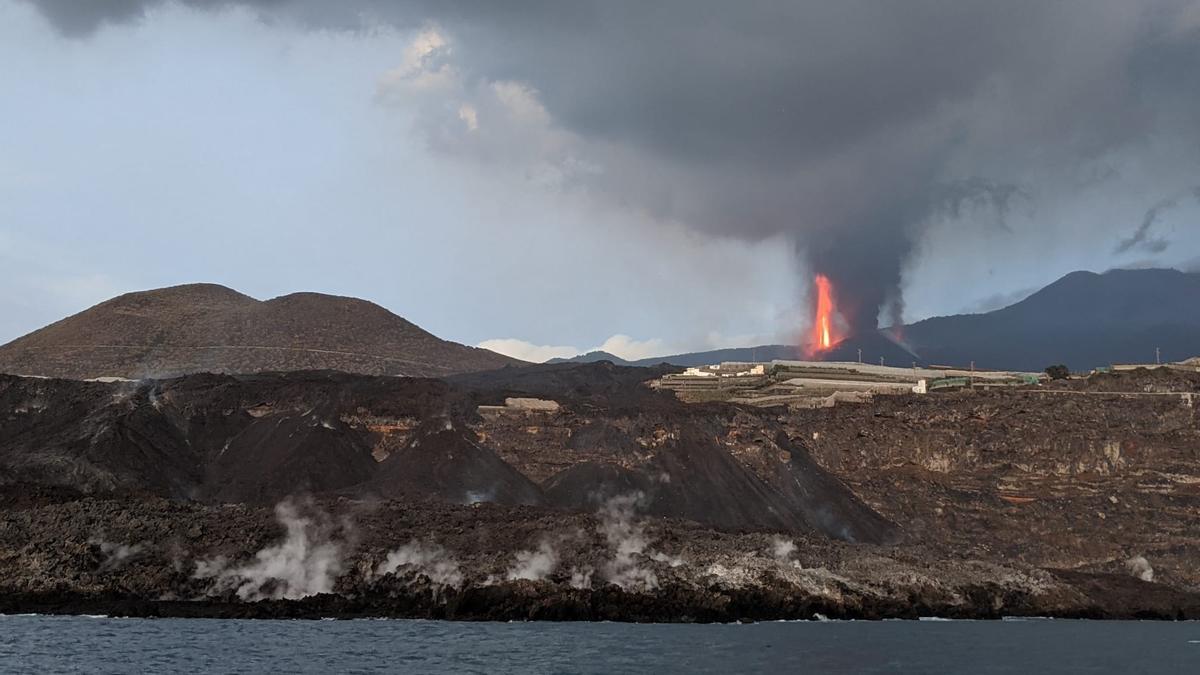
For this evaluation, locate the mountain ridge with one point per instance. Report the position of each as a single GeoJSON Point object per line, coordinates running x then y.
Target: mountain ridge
{"type": "Point", "coordinates": [211, 328]}
{"type": "Point", "coordinates": [1083, 319]}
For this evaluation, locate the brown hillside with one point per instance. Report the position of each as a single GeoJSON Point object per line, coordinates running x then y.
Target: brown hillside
{"type": "Point", "coordinates": [210, 328]}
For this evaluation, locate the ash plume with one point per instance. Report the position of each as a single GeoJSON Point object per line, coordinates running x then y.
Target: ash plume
{"type": "Point", "coordinates": [847, 129]}
{"type": "Point", "coordinates": [1143, 237]}
{"type": "Point", "coordinates": [307, 562]}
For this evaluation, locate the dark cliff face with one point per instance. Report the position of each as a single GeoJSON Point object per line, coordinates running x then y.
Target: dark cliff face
{"type": "Point", "coordinates": [258, 439]}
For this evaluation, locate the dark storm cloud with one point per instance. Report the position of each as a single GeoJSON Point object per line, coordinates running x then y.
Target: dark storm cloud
{"type": "Point", "coordinates": [847, 126]}
{"type": "Point", "coordinates": [82, 18]}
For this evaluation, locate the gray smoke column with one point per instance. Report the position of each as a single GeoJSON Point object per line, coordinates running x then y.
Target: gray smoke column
{"type": "Point", "coordinates": [845, 128]}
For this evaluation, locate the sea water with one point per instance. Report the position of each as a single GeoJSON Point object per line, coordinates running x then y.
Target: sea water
{"type": "Point", "coordinates": [51, 644]}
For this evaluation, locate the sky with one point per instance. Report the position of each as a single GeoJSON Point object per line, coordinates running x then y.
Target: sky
{"type": "Point", "coordinates": [548, 178]}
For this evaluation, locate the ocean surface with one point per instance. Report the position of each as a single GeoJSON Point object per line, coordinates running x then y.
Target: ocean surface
{"type": "Point", "coordinates": [48, 644]}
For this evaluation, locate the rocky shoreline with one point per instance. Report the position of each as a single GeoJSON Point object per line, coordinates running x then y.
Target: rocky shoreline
{"type": "Point", "coordinates": [146, 557]}
{"type": "Point", "coordinates": [534, 602]}
{"type": "Point", "coordinates": [319, 495]}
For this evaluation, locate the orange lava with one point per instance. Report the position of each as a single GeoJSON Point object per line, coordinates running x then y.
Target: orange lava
{"type": "Point", "coordinates": [824, 331]}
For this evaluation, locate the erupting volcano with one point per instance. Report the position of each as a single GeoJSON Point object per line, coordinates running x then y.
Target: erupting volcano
{"type": "Point", "coordinates": [825, 332]}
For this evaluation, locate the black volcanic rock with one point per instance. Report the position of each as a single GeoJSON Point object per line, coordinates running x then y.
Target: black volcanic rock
{"type": "Point", "coordinates": [617, 388]}
{"type": "Point", "coordinates": [57, 567]}
{"type": "Point", "coordinates": [260, 438]}
{"type": "Point", "coordinates": [208, 437]}
{"type": "Point", "coordinates": [1037, 501]}
{"type": "Point", "coordinates": [450, 464]}
{"type": "Point", "coordinates": [696, 479]}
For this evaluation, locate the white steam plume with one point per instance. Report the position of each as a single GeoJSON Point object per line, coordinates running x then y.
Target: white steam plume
{"type": "Point", "coordinates": [534, 565]}
{"type": "Point", "coordinates": [581, 578]}
{"type": "Point", "coordinates": [672, 560]}
{"type": "Point", "coordinates": [115, 554]}
{"type": "Point", "coordinates": [782, 549]}
{"type": "Point", "coordinates": [211, 568]}
{"type": "Point", "coordinates": [307, 562]}
{"type": "Point", "coordinates": [1139, 567]}
{"type": "Point", "coordinates": [425, 558]}
{"type": "Point", "coordinates": [627, 538]}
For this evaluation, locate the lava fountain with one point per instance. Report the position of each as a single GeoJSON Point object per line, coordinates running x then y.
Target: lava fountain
{"type": "Point", "coordinates": [825, 332]}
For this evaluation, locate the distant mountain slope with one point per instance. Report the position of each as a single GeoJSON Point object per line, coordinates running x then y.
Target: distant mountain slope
{"type": "Point", "coordinates": [873, 346]}
{"type": "Point", "coordinates": [749, 354]}
{"type": "Point", "coordinates": [1083, 320]}
{"type": "Point", "coordinates": [592, 357]}
{"type": "Point", "coordinates": [210, 328]}
{"type": "Point", "coordinates": [760, 353]}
